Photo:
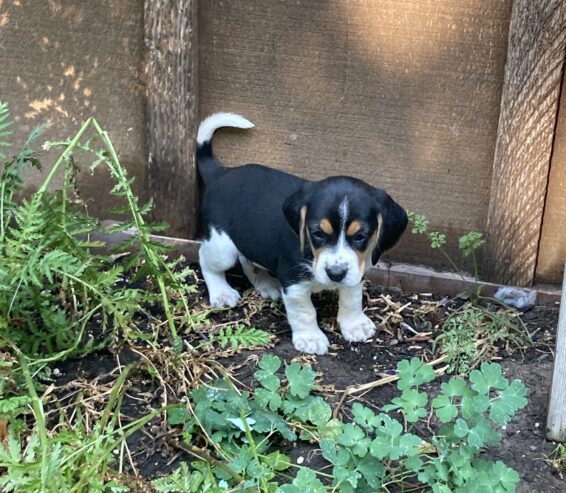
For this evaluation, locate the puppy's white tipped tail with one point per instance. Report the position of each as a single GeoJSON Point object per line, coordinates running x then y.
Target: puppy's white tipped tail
{"type": "Point", "coordinates": [218, 120]}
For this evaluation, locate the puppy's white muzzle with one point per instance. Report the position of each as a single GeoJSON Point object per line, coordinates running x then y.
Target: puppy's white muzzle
{"type": "Point", "coordinates": [338, 266]}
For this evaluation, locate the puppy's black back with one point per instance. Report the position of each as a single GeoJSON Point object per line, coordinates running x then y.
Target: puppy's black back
{"type": "Point", "coordinates": [247, 203]}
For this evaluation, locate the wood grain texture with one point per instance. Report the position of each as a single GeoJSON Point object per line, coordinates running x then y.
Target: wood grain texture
{"type": "Point", "coordinates": [556, 421]}
{"type": "Point", "coordinates": [63, 61]}
{"type": "Point", "coordinates": [171, 38]}
{"type": "Point", "coordinates": [552, 248]}
{"type": "Point", "coordinates": [404, 95]}
{"type": "Point", "coordinates": [533, 72]}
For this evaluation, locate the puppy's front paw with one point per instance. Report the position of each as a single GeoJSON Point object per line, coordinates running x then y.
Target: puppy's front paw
{"type": "Point", "coordinates": [226, 296]}
{"type": "Point", "coordinates": [312, 342]}
{"type": "Point", "coordinates": [357, 329]}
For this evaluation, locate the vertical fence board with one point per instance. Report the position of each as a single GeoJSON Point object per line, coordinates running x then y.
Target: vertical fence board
{"type": "Point", "coordinates": [171, 39]}
{"type": "Point", "coordinates": [533, 72]}
{"type": "Point", "coordinates": [552, 247]}
{"type": "Point", "coordinates": [556, 422]}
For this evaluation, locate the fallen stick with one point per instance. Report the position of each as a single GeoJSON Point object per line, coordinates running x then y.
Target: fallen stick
{"type": "Point", "coordinates": [354, 389]}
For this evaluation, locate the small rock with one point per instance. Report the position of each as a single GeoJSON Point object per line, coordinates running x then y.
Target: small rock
{"type": "Point", "coordinates": [532, 448]}
{"type": "Point", "coordinates": [521, 299]}
{"type": "Point", "coordinates": [300, 459]}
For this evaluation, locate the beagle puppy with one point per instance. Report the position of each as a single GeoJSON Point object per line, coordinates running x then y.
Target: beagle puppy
{"type": "Point", "coordinates": [293, 237]}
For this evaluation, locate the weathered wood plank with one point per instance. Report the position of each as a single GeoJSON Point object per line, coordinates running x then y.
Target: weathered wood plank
{"type": "Point", "coordinates": [171, 39]}
{"type": "Point", "coordinates": [61, 62]}
{"type": "Point", "coordinates": [552, 248]}
{"type": "Point", "coordinates": [533, 72]}
{"type": "Point", "coordinates": [556, 422]}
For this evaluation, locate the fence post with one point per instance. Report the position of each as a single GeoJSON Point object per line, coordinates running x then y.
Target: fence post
{"type": "Point", "coordinates": [527, 122]}
{"type": "Point", "coordinates": [172, 113]}
{"type": "Point", "coordinates": [556, 422]}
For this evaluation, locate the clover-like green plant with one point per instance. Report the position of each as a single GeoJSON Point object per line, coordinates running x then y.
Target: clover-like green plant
{"type": "Point", "coordinates": [371, 453]}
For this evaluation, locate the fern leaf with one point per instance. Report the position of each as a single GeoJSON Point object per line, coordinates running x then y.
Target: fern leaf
{"type": "Point", "coordinates": [12, 404]}
{"type": "Point", "coordinates": [240, 337]}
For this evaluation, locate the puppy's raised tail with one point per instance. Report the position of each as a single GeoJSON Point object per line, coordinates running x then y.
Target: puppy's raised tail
{"type": "Point", "coordinates": [207, 165]}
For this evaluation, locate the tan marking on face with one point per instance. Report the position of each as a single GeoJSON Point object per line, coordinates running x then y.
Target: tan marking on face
{"type": "Point", "coordinates": [353, 228]}
{"type": "Point", "coordinates": [326, 227]}
{"type": "Point", "coordinates": [363, 255]}
{"type": "Point", "coordinates": [378, 229]}
{"type": "Point", "coordinates": [375, 236]}
{"type": "Point", "coordinates": [302, 229]}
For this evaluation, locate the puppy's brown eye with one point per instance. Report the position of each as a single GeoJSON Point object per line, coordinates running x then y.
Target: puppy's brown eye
{"type": "Point", "coordinates": [359, 238]}
{"type": "Point", "coordinates": [318, 235]}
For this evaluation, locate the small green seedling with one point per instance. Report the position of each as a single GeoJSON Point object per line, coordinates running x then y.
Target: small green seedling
{"type": "Point", "coordinates": [469, 243]}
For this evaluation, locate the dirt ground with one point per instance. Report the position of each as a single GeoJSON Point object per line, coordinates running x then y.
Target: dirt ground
{"type": "Point", "coordinates": [523, 447]}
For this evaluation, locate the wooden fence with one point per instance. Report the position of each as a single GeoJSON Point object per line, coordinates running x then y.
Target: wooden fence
{"type": "Point", "coordinates": [454, 106]}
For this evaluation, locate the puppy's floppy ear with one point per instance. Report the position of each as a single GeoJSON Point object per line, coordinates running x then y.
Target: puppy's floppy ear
{"type": "Point", "coordinates": [295, 210]}
{"type": "Point", "coordinates": [391, 222]}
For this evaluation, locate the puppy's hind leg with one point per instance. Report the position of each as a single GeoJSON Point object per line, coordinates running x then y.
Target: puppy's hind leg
{"type": "Point", "coordinates": [267, 286]}
{"type": "Point", "coordinates": [216, 256]}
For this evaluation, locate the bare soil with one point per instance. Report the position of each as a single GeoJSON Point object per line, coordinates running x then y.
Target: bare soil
{"type": "Point", "coordinates": [523, 447]}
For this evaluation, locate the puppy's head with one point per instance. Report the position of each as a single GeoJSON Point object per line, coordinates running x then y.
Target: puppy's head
{"type": "Point", "coordinates": [346, 225]}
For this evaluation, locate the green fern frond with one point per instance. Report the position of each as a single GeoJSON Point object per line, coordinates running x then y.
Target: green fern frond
{"type": "Point", "coordinates": [240, 337]}
{"type": "Point", "coordinates": [10, 405]}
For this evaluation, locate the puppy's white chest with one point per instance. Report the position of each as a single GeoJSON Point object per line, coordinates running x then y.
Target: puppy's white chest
{"type": "Point", "coordinates": [317, 287]}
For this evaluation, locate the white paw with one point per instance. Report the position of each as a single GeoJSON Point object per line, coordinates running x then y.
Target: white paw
{"type": "Point", "coordinates": [357, 329]}
{"type": "Point", "coordinates": [312, 342]}
{"type": "Point", "coordinates": [269, 289]}
{"type": "Point", "coordinates": [226, 296]}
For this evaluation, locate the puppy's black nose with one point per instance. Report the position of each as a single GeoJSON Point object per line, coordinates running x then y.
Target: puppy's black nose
{"type": "Point", "coordinates": [336, 273]}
